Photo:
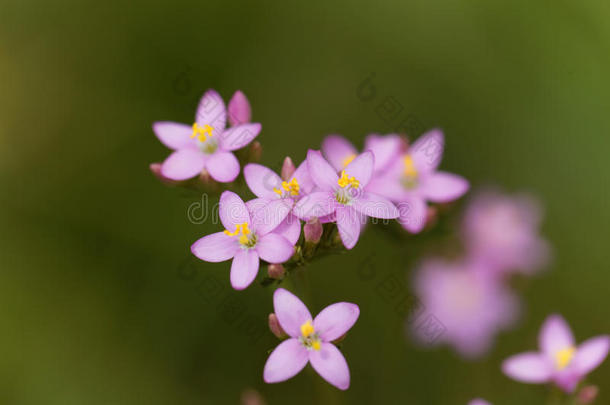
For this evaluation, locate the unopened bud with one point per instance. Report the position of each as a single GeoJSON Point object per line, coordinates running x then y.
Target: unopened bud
{"type": "Point", "coordinates": [275, 327]}
{"type": "Point", "coordinates": [155, 169]}
{"type": "Point", "coordinates": [313, 230]}
{"type": "Point", "coordinates": [239, 109]}
{"type": "Point", "coordinates": [255, 152]}
{"type": "Point", "coordinates": [431, 216]}
{"type": "Point", "coordinates": [587, 395]}
{"type": "Point", "coordinates": [251, 397]}
{"type": "Point", "coordinates": [287, 169]}
{"type": "Point", "coordinates": [276, 271]}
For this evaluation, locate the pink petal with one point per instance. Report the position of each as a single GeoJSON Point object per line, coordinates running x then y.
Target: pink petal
{"type": "Point", "coordinates": [362, 168]}
{"type": "Point", "coordinates": [478, 401]}
{"type": "Point", "coordinates": [335, 320]}
{"type": "Point", "coordinates": [232, 211]}
{"type": "Point", "coordinates": [427, 151]}
{"type": "Point", "coordinates": [262, 180]}
{"type": "Point", "coordinates": [174, 135]}
{"type": "Point", "coordinates": [305, 181]}
{"type": "Point", "coordinates": [441, 187]}
{"type": "Point", "coordinates": [331, 365]}
{"type": "Point", "coordinates": [288, 358]}
{"type": "Point", "coordinates": [321, 172]}
{"type": "Point", "coordinates": [555, 335]}
{"type": "Point", "coordinates": [591, 353]}
{"type": "Point", "coordinates": [385, 148]}
{"type": "Point", "coordinates": [388, 187]}
{"type": "Point", "coordinates": [223, 166]}
{"type": "Point", "coordinates": [375, 206]}
{"type": "Point", "coordinates": [239, 109]}
{"type": "Point", "coordinates": [237, 137]}
{"type": "Point", "coordinates": [274, 248]}
{"type": "Point", "coordinates": [349, 225]}
{"type": "Point", "coordinates": [412, 214]}
{"type": "Point", "coordinates": [211, 111]}
{"type": "Point", "coordinates": [216, 247]}
{"type": "Point", "coordinates": [528, 367]}
{"type": "Point", "coordinates": [183, 164]}
{"type": "Point", "coordinates": [290, 311]}
{"type": "Point", "coordinates": [316, 204]}
{"type": "Point", "coordinates": [267, 218]}
{"type": "Point", "coordinates": [290, 228]}
{"type": "Point", "coordinates": [244, 269]}
{"type": "Point", "coordinates": [336, 150]}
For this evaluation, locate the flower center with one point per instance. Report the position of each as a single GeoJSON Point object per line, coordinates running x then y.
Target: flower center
{"type": "Point", "coordinates": [348, 159]}
{"type": "Point", "coordinates": [290, 188]}
{"type": "Point", "coordinates": [246, 237]}
{"type": "Point", "coordinates": [564, 357]}
{"type": "Point", "coordinates": [206, 143]}
{"type": "Point", "coordinates": [409, 176]}
{"type": "Point", "coordinates": [348, 184]}
{"type": "Point", "coordinates": [309, 338]}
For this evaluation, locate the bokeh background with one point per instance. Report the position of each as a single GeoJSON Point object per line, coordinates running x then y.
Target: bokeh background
{"type": "Point", "coordinates": [100, 301]}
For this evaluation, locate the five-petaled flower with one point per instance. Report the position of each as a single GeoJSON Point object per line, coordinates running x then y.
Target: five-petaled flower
{"type": "Point", "coordinates": [344, 196]}
{"type": "Point", "coordinates": [559, 360]}
{"type": "Point", "coordinates": [310, 340]}
{"type": "Point", "coordinates": [245, 240]}
{"type": "Point", "coordinates": [412, 180]}
{"type": "Point", "coordinates": [206, 144]}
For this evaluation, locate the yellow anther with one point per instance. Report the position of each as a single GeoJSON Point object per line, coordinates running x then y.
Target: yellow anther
{"type": "Point", "coordinates": [307, 329]}
{"type": "Point", "coordinates": [240, 228]}
{"type": "Point", "coordinates": [291, 187]}
{"type": "Point", "coordinates": [348, 159]}
{"type": "Point", "coordinates": [202, 132]}
{"type": "Point", "coordinates": [564, 357]}
{"type": "Point", "coordinates": [345, 180]}
{"type": "Point", "coordinates": [315, 344]}
{"type": "Point", "coordinates": [410, 170]}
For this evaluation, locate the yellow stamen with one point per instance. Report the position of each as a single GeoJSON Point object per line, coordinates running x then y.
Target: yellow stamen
{"type": "Point", "coordinates": [349, 159]}
{"type": "Point", "coordinates": [202, 132]}
{"type": "Point", "coordinates": [244, 239]}
{"type": "Point", "coordinates": [309, 338]}
{"type": "Point", "coordinates": [410, 170]}
{"type": "Point", "coordinates": [345, 180]}
{"type": "Point", "coordinates": [316, 345]}
{"type": "Point", "coordinates": [307, 329]}
{"type": "Point", "coordinates": [564, 357]}
{"type": "Point", "coordinates": [291, 187]}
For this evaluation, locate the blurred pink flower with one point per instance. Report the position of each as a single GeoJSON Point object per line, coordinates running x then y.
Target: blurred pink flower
{"type": "Point", "coordinates": [478, 401]}
{"type": "Point", "coordinates": [206, 144]}
{"type": "Point", "coordinates": [501, 231]}
{"type": "Point", "coordinates": [473, 308]}
{"type": "Point", "coordinates": [559, 359]}
{"type": "Point", "coordinates": [339, 152]}
{"type": "Point", "coordinates": [245, 240]}
{"type": "Point", "coordinates": [310, 340]}
{"type": "Point", "coordinates": [412, 180]}
{"type": "Point", "coordinates": [344, 196]}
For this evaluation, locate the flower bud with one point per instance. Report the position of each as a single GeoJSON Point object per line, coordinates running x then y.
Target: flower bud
{"type": "Point", "coordinates": [287, 169]}
{"type": "Point", "coordinates": [275, 327]}
{"type": "Point", "coordinates": [431, 216]}
{"type": "Point", "coordinates": [313, 230]}
{"type": "Point", "coordinates": [239, 110]}
{"type": "Point", "coordinates": [255, 152]}
{"type": "Point", "coordinates": [276, 271]}
{"type": "Point", "coordinates": [587, 395]}
{"type": "Point", "coordinates": [251, 397]}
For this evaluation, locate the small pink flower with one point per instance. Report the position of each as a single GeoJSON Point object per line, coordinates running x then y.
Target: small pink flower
{"type": "Point", "coordinates": [343, 196]}
{"type": "Point", "coordinates": [310, 340]}
{"type": "Point", "coordinates": [478, 401]}
{"type": "Point", "coordinates": [502, 231]}
{"type": "Point", "coordinates": [245, 240]}
{"type": "Point", "coordinates": [412, 180]}
{"type": "Point", "coordinates": [206, 144]}
{"type": "Point", "coordinates": [280, 195]}
{"type": "Point", "coordinates": [559, 359]}
{"type": "Point", "coordinates": [470, 306]}
{"type": "Point", "coordinates": [340, 152]}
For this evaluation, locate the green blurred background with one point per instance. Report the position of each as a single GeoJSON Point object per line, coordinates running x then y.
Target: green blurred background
{"type": "Point", "coordinates": [100, 302]}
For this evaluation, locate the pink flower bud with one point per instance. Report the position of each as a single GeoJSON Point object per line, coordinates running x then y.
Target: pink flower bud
{"type": "Point", "coordinates": [239, 109]}
{"type": "Point", "coordinates": [587, 395]}
{"type": "Point", "coordinates": [313, 230]}
{"type": "Point", "coordinates": [255, 152]}
{"type": "Point", "coordinates": [275, 327]}
{"type": "Point", "coordinates": [252, 397]}
{"type": "Point", "coordinates": [287, 169]}
{"type": "Point", "coordinates": [276, 271]}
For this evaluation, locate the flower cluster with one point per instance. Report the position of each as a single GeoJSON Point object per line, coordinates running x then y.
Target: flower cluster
{"type": "Point", "coordinates": [470, 295]}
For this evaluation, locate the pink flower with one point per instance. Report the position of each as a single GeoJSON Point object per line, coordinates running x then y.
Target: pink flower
{"type": "Point", "coordinates": [559, 359]}
{"type": "Point", "coordinates": [478, 401]}
{"type": "Point", "coordinates": [471, 307]}
{"type": "Point", "coordinates": [206, 144]}
{"type": "Point", "coordinates": [246, 239]}
{"type": "Point", "coordinates": [344, 196]}
{"type": "Point", "coordinates": [502, 231]}
{"type": "Point", "coordinates": [310, 340]}
{"type": "Point", "coordinates": [280, 194]}
{"type": "Point", "coordinates": [412, 180]}
{"type": "Point", "coordinates": [340, 152]}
